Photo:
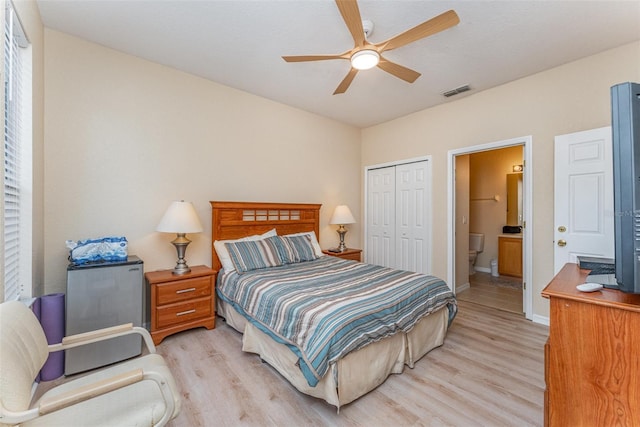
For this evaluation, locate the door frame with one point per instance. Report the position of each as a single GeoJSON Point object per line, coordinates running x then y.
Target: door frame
{"type": "Point", "coordinates": [428, 208]}
{"type": "Point", "coordinates": [527, 275]}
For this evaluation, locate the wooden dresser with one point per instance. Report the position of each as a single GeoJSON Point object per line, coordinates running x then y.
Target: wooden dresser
{"type": "Point", "coordinates": [592, 356]}
{"type": "Point", "coordinates": [181, 302]}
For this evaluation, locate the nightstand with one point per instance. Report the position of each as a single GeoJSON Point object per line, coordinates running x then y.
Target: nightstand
{"type": "Point", "coordinates": [350, 253]}
{"type": "Point", "coordinates": [181, 302]}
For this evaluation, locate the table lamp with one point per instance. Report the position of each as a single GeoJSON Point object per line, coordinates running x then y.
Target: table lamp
{"type": "Point", "coordinates": [342, 215]}
{"type": "Point", "coordinates": [180, 218]}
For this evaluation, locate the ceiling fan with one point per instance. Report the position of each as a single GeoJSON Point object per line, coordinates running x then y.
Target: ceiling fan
{"type": "Point", "coordinates": [365, 55]}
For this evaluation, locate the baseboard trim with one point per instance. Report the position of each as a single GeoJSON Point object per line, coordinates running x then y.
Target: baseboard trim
{"type": "Point", "coordinates": [543, 320]}
{"type": "Point", "coordinates": [482, 269]}
{"type": "Point", "coordinates": [463, 287]}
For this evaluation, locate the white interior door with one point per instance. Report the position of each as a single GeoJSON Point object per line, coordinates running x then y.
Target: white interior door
{"type": "Point", "coordinates": [583, 195]}
{"type": "Point", "coordinates": [381, 186]}
{"type": "Point", "coordinates": [412, 217]}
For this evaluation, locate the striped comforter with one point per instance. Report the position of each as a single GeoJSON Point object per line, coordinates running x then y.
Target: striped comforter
{"type": "Point", "coordinates": [326, 308]}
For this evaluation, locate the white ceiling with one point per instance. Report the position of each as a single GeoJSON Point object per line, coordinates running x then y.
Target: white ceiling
{"type": "Point", "coordinates": [240, 43]}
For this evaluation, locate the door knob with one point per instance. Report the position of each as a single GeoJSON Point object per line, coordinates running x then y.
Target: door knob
{"type": "Point", "coordinates": [562, 243]}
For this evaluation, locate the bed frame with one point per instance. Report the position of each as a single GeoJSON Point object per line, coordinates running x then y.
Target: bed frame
{"type": "Point", "coordinates": [233, 220]}
{"type": "Point", "coordinates": [359, 371]}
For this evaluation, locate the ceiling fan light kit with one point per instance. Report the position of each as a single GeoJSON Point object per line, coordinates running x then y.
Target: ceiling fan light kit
{"type": "Point", "coordinates": [365, 59]}
{"type": "Point", "coordinates": [367, 27]}
{"type": "Point", "coordinates": [365, 55]}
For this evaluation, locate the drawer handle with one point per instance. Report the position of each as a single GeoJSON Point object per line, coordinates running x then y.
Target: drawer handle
{"type": "Point", "coordinates": [182, 313]}
{"type": "Point", "coordinates": [183, 291]}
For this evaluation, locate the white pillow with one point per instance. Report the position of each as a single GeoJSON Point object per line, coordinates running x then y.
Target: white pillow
{"type": "Point", "coordinates": [223, 253]}
{"type": "Point", "coordinates": [314, 241]}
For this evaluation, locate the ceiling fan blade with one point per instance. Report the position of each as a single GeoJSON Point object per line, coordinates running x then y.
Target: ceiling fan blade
{"type": "Point", "coordinates": [404, 73]}
{"type": "Point", "coordinates": [432, 26]}
{"type": "Point", "coordinates": [344, 84]}
{"type": "Point", "coordinates": [304, 58]}
{"type": "Point", "coordinates": [351, 15]}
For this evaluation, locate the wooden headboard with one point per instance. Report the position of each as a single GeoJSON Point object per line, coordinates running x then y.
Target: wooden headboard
{"type": "Point", "coordinates": [233, 220]}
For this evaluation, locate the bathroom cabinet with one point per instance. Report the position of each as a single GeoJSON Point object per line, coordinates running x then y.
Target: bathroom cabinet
{"type": "Point", "coordinates": [510, 256]}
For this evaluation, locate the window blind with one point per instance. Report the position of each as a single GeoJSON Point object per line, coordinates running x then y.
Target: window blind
{"type": "Point", "coordinates": [14, 40]}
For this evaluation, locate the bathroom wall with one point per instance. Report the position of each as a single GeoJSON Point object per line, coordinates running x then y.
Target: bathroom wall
{"type": "Point", "coordinates": [462, 222]}
{"type": "Point", "coordinates": [488, 178]}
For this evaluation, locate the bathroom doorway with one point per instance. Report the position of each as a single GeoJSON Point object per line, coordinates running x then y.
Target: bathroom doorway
{"type": "Point", "coordinates": [489, 224]}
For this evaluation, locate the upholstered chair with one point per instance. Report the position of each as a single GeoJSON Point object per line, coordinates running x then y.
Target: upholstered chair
{"type": "Point", "coordinates": [137, 392]}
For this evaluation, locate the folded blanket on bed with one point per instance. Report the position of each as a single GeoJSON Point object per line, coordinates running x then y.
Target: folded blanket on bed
{"type": "Point", "coordinates": [326, 308]}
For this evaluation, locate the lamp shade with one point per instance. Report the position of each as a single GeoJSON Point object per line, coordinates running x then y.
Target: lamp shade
{"type": "Point", "coordinates": [180, 217]}
{"type": "Point", "coordinates": [342, 215]}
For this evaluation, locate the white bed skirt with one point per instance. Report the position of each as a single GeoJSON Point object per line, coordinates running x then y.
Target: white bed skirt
{"type": "Point", "coordinates": [357, 373]}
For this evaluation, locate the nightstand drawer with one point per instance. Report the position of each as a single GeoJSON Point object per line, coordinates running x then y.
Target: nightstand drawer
{"type": "Point", "coordinates": [183, 312]}
{"type": "Point", "coordinates": [181, 302]}
{"type": "Point", "coordinates": [183, 290]}
{"type": "Point", "coordinates": [350, 253]}
{"type": "Point", "coordinates": [355, 256]}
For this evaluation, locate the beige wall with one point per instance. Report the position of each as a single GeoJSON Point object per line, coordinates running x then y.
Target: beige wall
{"type": "Point", "coordinates": [125, 137]}
{"type": "Point", "coordinates": [116, 126]}
{"type": "Point", "coordinates": [569, 98]}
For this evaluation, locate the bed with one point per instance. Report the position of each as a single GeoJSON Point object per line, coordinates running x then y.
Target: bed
{"type": "Point", "coordinates": [338, 376]}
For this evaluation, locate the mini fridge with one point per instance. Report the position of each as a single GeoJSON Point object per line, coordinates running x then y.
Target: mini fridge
{"type": "Point", "coordinates": [101, 295]}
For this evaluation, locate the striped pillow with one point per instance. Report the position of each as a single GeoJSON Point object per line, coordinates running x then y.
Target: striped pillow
{"type": "Point", "coordinates": [253, 255]}
{"type": "Point", "coordinates": [298, 249]}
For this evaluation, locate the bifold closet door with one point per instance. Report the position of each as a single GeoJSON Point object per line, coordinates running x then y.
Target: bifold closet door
{"type": "Point", "coordinates": [412, 218]}
{"type": "Point", "coordinates": [381, 216]}
{"type": "Point", "coordinates": [398, 218]}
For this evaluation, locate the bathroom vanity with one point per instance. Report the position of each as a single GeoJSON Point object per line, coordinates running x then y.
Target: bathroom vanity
{"type": "Point", "coordinates": [510, 255]}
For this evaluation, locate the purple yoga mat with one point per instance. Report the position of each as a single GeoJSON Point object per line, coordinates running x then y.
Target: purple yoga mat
{"type": "Point", "coordinates": [52, 320]}
{"type": "Point", "coordinates": [35, 307]}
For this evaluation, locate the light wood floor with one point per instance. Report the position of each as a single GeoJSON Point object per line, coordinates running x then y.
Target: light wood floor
{"type": "Point", "coordinates": [504, 292]}
{"type": "Point", "coordinates": [489, 372]}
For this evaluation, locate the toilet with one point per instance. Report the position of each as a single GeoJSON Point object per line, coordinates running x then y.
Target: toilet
{"type": "Point", "coordinates": [476, 245]}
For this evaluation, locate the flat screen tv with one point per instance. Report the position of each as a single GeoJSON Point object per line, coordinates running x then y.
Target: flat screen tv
{"type": "Point", "coordinates": [625, 126]}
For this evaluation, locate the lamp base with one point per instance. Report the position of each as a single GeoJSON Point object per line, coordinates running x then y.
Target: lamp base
{"type": "Point", "coordinates": [341, 232]}
{"type": "Point", "coordinates": [181, 269]}
{"type": "Point", "coordinates": [181, 242]}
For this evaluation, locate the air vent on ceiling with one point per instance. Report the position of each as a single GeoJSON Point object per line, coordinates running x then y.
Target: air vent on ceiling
{"type": "Point", "coordinates": [456, 91]}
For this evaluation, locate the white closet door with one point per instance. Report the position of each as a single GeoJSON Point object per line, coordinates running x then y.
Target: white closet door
{"type": "Point", "coordinates": [412, 217]}
{"type": "Point", "coordinates": [583, 196]}
{"type": "Point", "coordinates": [399, 217]}
{"type": "Point", "coordinates": [381, 217]}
